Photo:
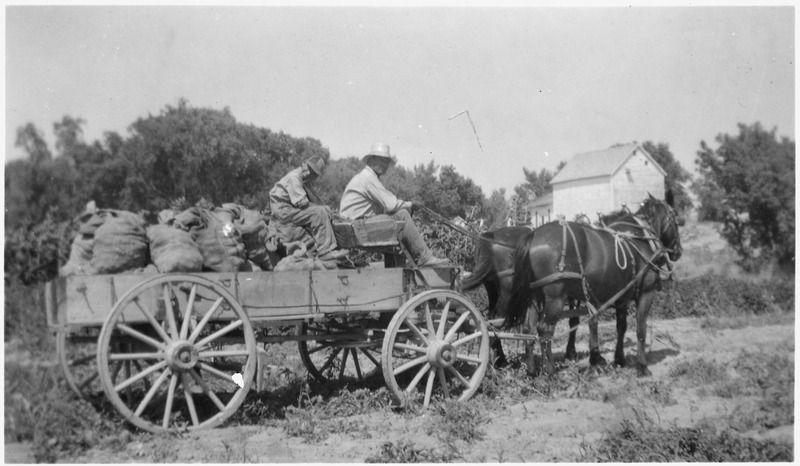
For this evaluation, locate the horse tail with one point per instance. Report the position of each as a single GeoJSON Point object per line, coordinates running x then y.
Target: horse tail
{"type": "Point", "coordinates": [521, 293]}
{"type": "Point", "coordinates": [483, 263]}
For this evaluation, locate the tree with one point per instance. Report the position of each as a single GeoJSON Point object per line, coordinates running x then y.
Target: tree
{"type": "Point", "coordinates": [30, 139]}
{"type": "Point", "coordinates": [749, 185]}
{"type": "Point", "coordinates": [676, 174]}
{"type": "Point", "coordinates": [496, 209]}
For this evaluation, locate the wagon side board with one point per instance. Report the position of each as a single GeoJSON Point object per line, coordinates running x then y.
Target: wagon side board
{"type": "Point", "coordinates": [86, 300]}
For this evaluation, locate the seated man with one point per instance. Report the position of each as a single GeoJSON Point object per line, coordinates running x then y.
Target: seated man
{"type": "Point", "coordinates": [366, 196]}
{"type": "Point", "coordinates": [290, 203]}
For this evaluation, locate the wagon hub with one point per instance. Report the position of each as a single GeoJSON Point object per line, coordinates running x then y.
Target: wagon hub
{"type": "Point", "coordinates": [441, 354]}
{"type": "Point", "coordinates": [181, 356]}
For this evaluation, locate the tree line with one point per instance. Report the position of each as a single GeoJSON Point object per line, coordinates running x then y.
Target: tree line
{"type": "Point", "coordinates": [186, 155]}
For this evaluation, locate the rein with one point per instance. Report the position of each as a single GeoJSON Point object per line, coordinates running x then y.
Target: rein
{"type": "Point", "coordinates": [475, 236]}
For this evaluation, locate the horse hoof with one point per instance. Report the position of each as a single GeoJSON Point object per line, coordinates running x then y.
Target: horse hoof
{"type": "Point", "coordinates": [620, 362]}
{"type": "Point", "coordinates": [643, 371]}
{"type": "Point", "coordinates": [596, 360]}
{"type": "Point", "coordinates": [571, 355]}
{"type": "Point", "coordinates": [501, 362]}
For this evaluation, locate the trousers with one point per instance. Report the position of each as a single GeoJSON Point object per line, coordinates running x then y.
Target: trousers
{"type": "Point", "coordinates": [315, 219]}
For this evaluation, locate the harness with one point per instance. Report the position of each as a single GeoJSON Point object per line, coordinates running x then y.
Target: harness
{"type": "Point", "coordinates": [624, 248]}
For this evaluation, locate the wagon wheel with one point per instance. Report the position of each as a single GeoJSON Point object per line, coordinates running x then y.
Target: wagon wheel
{"type": "Point", "coordinates": [171, 353]}
{"type": "Point", "coordinates": [437, 345]}
{"type": "Point", "coordinates": [77, 357]}
{"type": "Point", "coordinates": [349, 352]}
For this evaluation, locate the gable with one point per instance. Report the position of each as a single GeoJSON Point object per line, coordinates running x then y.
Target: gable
{"type": "Point", "coordinates": [602, 163]}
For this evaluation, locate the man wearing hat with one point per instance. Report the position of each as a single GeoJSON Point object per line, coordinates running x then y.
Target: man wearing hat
{"type": "Point", "coordinates": [365, 196]}
{"type": "Point", "coordinates": [290, 204]}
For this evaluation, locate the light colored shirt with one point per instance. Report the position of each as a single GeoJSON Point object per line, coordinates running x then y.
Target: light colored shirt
{"type": "Point", "coordinates": [365, 196]}
{"type": "Point", "coordinates": [290, 189]}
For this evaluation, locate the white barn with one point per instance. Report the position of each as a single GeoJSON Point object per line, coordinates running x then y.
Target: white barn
{"type": "Point", "coordinates": [602, 181]}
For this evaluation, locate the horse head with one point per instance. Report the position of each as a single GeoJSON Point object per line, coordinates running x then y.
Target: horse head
{"type": "Point", "coordinates": [662, 218]}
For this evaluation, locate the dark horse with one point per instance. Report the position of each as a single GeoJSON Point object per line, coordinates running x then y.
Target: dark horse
{"type": "Point", "coordinates": [602, 267]}
{"type": "Point", "coordinates": [494, 269]}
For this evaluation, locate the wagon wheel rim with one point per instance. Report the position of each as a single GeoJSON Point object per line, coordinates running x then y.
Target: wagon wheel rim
{"type": "Point", "coordinates": [78, 363]}
{"type": "Point", "coordinates": [178, 371]}
{"type": "Point", "coordinates": [436, 347]}
{"type": "Point", "coordinates": [337, 360]}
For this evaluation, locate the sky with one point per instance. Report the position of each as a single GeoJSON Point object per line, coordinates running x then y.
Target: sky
{"type": "Point", "coordinates": [488, 90]}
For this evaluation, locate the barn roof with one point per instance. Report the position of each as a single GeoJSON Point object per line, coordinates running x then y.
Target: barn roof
{"type": "Point", "coordinates": [604, 162]}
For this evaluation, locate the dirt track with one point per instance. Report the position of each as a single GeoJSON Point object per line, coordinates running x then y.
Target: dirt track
{"type": "Point", "coordinates": [537, 430]}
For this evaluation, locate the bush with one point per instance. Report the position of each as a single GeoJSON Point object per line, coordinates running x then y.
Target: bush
{"type": "Point", "coordinates": [405, 452]}
{"type": "Point", "coordinates": [713, 295]}
{"type": "Point", "coordinates": [641, 442]}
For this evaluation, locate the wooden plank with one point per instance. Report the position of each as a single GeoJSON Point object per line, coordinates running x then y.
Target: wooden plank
{"type": "Point", "coordinates": [274, 294]}
{"type": "Point", "coordinates": [357, 290]}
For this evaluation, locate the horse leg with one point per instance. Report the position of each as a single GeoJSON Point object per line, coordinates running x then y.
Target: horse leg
{"type": "Point", "coordinates": [622, 327]}
{"type": "Point", "coordinates": [595, 359]}
{"type": "Point", "coordinates": [552, 309]}
{"type": "Point", "coordinates": [495, 343]}
{"type": "Point", "coordinates": [642, 311]}
{"type": "Point", "coordinates": [573, 324]}
{"type": "Point", "coordinates": [530, 326]}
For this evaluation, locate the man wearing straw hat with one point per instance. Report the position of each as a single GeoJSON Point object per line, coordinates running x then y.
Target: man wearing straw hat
{"type": "Point", "coordinates": [291, 204]}
{"type": "Point", "coordinates": [366, 196]}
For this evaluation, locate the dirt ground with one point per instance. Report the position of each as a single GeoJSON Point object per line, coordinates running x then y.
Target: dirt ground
{"type": "Point", "coordinates": [552, 430]}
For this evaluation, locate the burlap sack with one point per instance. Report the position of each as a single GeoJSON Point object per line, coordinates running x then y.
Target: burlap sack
{"type": "Point", "coordinates": [173, 249]}
{"type": "Point", "coordinates": [120, 244]}
{"type": "Point", "coordinates": [254, 231]}
{"type": "Point", "coordinates": [220, 243]}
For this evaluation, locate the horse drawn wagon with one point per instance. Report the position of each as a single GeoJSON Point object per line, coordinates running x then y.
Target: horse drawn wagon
{"type": "Point", "coordinates": [173, 352]}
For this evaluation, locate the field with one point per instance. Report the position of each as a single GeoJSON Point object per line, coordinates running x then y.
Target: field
{"type": "Point", "coordinates": [720, 346]}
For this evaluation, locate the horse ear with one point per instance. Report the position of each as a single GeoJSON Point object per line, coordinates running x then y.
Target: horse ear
{"type": "Point", "coordinates": [670, 198]}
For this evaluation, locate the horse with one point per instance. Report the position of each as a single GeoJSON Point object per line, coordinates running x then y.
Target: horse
{"type": "Point", "coordinates": [494, 267]}
{"type": "Point", "coordinates": [601, 267]}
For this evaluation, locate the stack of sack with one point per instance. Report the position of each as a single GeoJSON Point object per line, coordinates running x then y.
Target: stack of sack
{"type": "Point", "coordinates": [227, 239]}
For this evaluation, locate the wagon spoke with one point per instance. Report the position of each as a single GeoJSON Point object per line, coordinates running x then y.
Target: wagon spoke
{"type": "Point", "coordinates": [188, 315]}
{"type": "Point", "coordinates": [141, 337]}
{"type": "Point", "coordinates": [201, 325]}
{"type": "Point", "coordinates": [443, 382]}
{"type": "Point", "coordinates": [170, 394]}
{"type": "Point", "coordinates": [228, 328]}
{"type": "Point", "coordinates": [454, 329]}
{"type": "Point", "coordinates": [222, 353]}
{"type": "Point", "coordinates": [466, 358]}
{"type": "Point", "coordinates": [443, 320]}
{"type": "Point", "coordinates": [344, 363]}
{"type": "Point", "coordinates": [133, 379]}
{"type": "Point", "coordinates": [460, 377]}
{"type": "Point", "coordinates": [406, 346]}
{"type": "Point", "coordinates": [216, 372]}
{"type": "Point", "coordinates": [429, 388]}
{"type": "Point", "coordinates": [423, 370]}
{"type": "Point", "coordinates": [134, 356]}
{"type": "Point", "coordinates": [468, 338]}
{"type": "Point", "coordinates": [150, 393]}
{"type": "Point", "coordinates": [370, 357]}
{"type": "Point", "coordinates": [330, 360]}
{"type": "Point", "coordinates": [429, 320]}
{"type": "Point", "coordinates": [153, 322]}
{"type": "Point", "coordinates": [187, 393]}
{"type": "Point", "coordinates": [414, 362]}
{"type": "Point", "coordinates": [173, 327]}
{"type": "Point", "coordinates": [357, 365]}
{"type": "Point", "coordinates": [88, 381]}
{"type": "Point", "coordinates": [417, 331]}
{"type": "Point", "coordinates": [207, 390]}
{"type": "Point", "coordinates": [83, 361]}
{"type": "Point", "coordinates": [322, 346]}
